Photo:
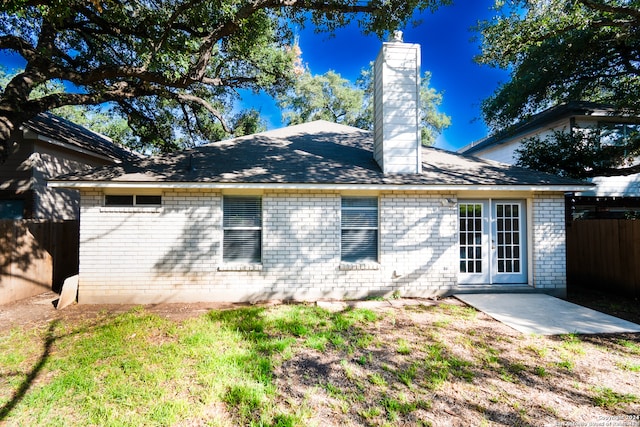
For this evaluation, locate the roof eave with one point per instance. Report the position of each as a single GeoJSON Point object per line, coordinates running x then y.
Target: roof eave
{"type": "Point", "coordinates": [133, 185]}
{"type": "Point", "coordinates": [29, 133]}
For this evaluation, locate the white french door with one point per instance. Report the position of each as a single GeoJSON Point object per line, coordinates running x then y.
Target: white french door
{"type": "Point", "coordinates": [492, 241]}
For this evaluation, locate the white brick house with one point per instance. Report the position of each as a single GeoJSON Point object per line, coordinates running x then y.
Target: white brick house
{"type": "Point", "coordinates": [309, 212]}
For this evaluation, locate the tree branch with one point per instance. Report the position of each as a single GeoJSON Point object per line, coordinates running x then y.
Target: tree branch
{"type": "Point", "coordinates": [119, 90]}
{"type": "Point", "coordinates": [602, 7]}
{"type": "Point", "coordinates": [225, 29]}
{"type": "Point", "coordinates": [172, 20]}
{"type": "Point", "coordinates": [19, 45]}
{"type": "Point", "coordinates": [192, 99]}
{"type": "Point", "coordinates": [630, 170]}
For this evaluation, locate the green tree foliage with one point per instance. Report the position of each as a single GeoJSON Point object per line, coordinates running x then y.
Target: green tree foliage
{"type": "Point", "coordinates": [333, 98]}
{"type": "Point", "coordinates": [326, 96]}
{"type": "Point", "coordinates": [433, 122]}
{"type": "Point", "coordinates": [171, 67]}
{"type": "Point", "coordinates": [559, 51]}
{"type": "Point", "coordinates": [248, 122]}
{"type": "Point", "coordinates": [584, 153]}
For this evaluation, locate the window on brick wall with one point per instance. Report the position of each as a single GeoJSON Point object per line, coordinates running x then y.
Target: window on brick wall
{"type": "Point", "coordinates": [242, 224]}
{"type": "Point", "coordinates": [132, 200]}
{"type": "Point", "coordinates": [11, 209]}
{"type": "Point", "coordinates": [359, 229]}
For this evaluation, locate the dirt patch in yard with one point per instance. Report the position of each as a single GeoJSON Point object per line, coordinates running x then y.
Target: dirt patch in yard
{"type": "Point", "coordinates": [423, 368]}
{"type": "Point", "coordinates": [40, 309]}
{"type": "Point", "coordinates": [423, 362]}
{"type": "Point", "coordinates": [624, 307]}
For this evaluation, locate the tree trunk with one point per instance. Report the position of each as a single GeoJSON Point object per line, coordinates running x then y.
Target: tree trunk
{"type": "Point", "coordinates": [10, 123]}
{"type": "Point", "coordinates": [6, 144]}
{"type": "Point", "coordinates": [15, 109]}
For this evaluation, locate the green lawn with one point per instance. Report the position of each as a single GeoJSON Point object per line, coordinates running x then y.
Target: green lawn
{"type": "Point", "coordinates": [301, 365]}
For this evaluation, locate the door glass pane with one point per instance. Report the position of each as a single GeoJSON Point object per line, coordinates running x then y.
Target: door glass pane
{"type": "Point", "coordinates": [508, 238]}
{"type": "Point", "coordinates": [470, 238]}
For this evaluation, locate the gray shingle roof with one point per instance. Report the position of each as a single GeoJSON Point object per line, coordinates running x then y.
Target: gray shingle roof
{"type": "Point", "coordinates": [59, 129]}
{"type": "Point", "coordinates": [312, 153]}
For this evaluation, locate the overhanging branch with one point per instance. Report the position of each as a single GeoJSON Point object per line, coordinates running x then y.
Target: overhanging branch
{"type": "Point", "coordinates": [630, 170]}
{"type": "Point", "coordinates": [192, 99]}
{"type": "Point", "coordinates": [603, 7]}
{"type": "Point", "coordinates": [19, 45]}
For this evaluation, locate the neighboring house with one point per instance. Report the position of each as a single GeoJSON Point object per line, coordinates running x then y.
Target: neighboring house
{"type": "Point", "coordinates": [320, 210]}
{"type": "Point", "coordinates": [37, 256]}
{"type": "Point", "coordinates": [564, 117]}
{"type": "Point", "coordinates": [49, 146]}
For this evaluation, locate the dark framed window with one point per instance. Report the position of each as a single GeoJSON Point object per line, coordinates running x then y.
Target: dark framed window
{"type": "Point", "coordinates": [148, 200]}
{"type": "Point", "coordinates": [612, 133]}
{"type": "Point", "coordinates": [131, 200]}
{"type": "Point", "coordinates": [11, 209]}
{"type": "Point", "coordinates": [242, 227]}
{"type": "Point", "coordinates": [359, 241]}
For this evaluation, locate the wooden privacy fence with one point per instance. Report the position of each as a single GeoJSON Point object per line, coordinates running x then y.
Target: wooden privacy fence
{"type": "Point", "coordinates": [604, 254]}
{"type": "Point", "coordinates": [36, 256]}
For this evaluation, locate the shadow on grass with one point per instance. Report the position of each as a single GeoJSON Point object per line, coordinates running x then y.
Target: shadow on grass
{"type": "Point", "coordinates": [249, 397]}
{"type": "Point", "coordinates": [270, 334]}
{"type": "Point", "coordinates": [19, 394]}
{"type": "Point", "coordinates": [49, 340]}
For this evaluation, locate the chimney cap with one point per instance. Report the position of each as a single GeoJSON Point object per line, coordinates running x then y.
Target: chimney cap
{"type": "Point", "coordinates": [396, 37]}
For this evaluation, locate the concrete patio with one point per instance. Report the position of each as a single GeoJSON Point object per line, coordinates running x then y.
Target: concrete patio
{"type": "Point", "coordinates": [546, 315]}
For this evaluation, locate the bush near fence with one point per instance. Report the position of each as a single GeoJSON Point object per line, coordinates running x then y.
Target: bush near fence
{"type": "Point", "coordinates": [36, 256]}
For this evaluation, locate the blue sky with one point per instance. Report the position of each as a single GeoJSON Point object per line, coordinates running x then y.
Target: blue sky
{"type": "Point", "coordinates": [447, 51]}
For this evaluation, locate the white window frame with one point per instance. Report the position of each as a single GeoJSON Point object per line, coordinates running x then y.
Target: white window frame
{"type": "Point", "coordinates": [227, 227]}
{"type": "Point", "coordinates": [346, 258]}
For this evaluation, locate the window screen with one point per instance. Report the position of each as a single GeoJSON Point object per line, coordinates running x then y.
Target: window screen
{"type": "Point", "coordinates": [242, 224]}
{"type": "Point", "coordinates": [359, 229]}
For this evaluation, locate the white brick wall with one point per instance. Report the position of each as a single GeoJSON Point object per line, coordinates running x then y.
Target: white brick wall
{"type": "Point", "coordinates": [301, 244]}
{"type": "Point", "coordinates": [549, 243]}
{"type": "Point", "coordinates": [418, 243]}
{"type": "Point", "coordinates": [173, 253]}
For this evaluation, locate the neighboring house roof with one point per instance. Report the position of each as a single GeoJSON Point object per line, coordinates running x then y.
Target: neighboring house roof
{"type": "Point", "coordinates": [548, 116]}
{"type": "Point", "coordinates": [59, 131]}
{"type": "Point", "coordinates": [316, 154]}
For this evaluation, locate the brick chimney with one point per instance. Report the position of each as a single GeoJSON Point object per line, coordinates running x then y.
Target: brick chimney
{"type": "Point", "coordinates": [396, 97]}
